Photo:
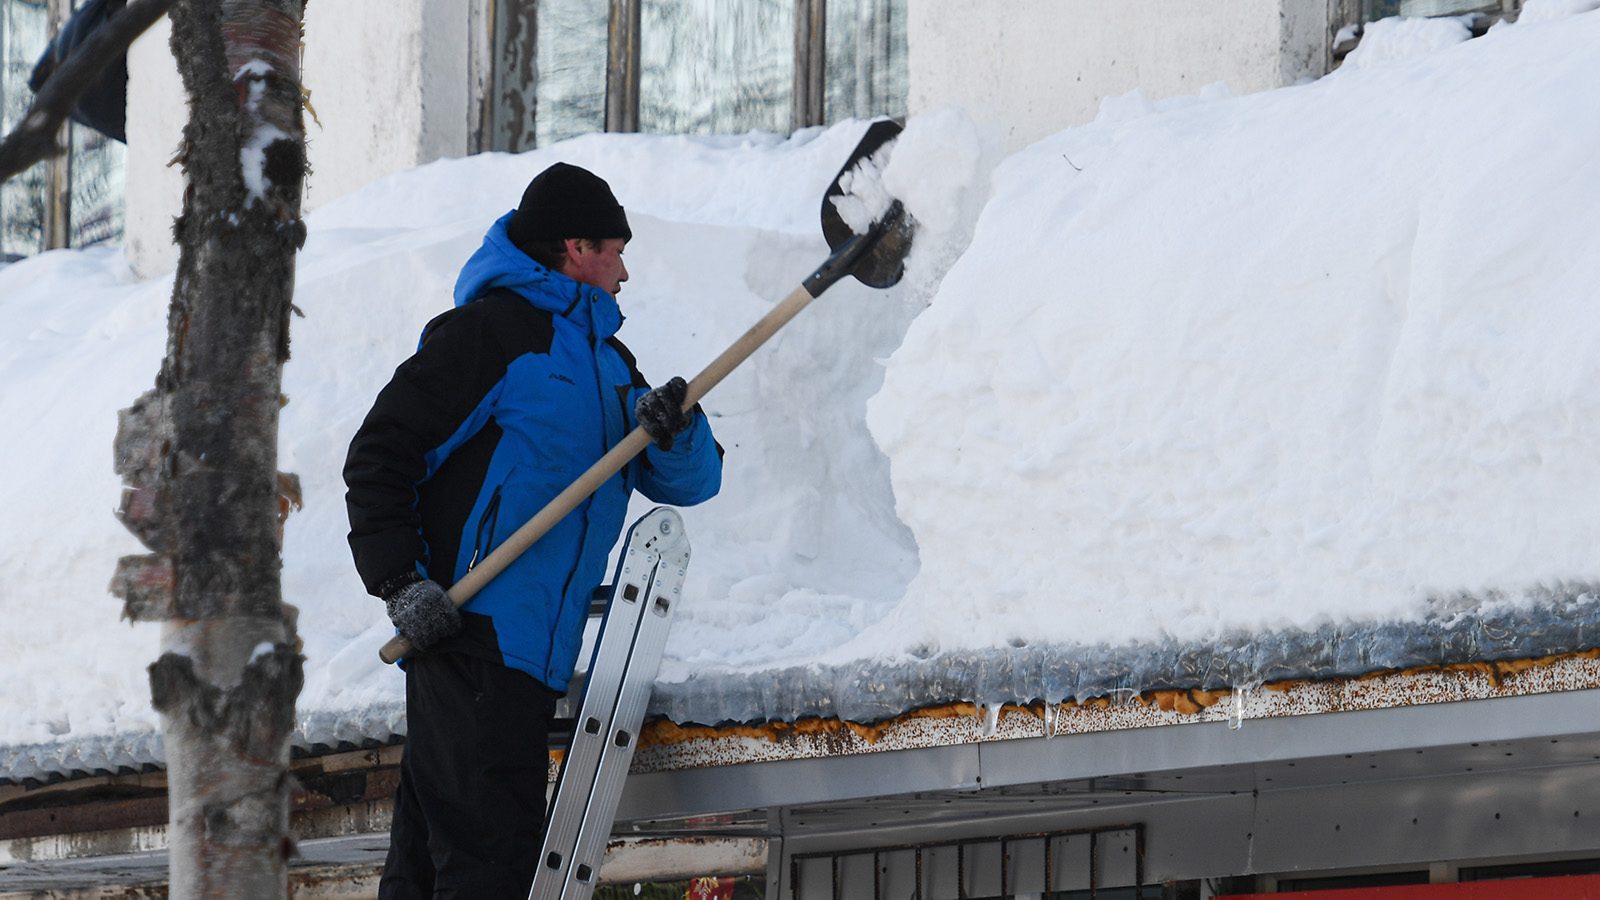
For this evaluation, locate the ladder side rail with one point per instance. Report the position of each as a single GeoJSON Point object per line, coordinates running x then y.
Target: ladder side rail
{"type": "Point", "coordinates": [592, 727]}
{"type": "Point", "coordinates": [633, 700]}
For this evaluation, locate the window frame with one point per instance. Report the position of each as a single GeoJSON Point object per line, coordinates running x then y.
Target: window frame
{"type": "Point", "coordinates": [493, 45]}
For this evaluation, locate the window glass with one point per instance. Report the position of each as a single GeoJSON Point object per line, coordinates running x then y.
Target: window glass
{"type": "Point", "coordinates": [97, 187]}
{"type": "Point", "coordinates": [571, 61]}
{"type": "Point", "coordinates": [866, 42]}
{"type": "Point", "coordinates": [716, 66]}
{"type": "Point", "coordinates": [24, 32]}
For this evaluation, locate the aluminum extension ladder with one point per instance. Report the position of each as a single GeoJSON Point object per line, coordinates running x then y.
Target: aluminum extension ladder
{"type": "Point", "coordinates": [627, 655]}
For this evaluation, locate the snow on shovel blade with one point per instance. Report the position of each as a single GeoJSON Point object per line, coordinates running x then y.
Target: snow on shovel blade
{"type": "Point", "coordinates": [858, 204]}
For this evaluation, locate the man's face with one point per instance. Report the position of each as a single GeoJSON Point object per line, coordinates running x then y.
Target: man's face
{"type": "Point", "coordinates": [597, 266]}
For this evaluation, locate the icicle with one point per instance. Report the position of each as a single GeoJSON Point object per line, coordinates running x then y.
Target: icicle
{"type": "Point", "coordinates": [991, 718]}
{"type": "Point", "coordinates": [1236, 704]}
{"type": "Point", "coordinates": [1049, 720]}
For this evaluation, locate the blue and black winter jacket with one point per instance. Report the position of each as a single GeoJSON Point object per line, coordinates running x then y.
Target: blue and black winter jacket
{"type": "Point", "coordinates": [509, 398]}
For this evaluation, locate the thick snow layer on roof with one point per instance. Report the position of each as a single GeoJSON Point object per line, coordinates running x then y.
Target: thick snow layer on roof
{"type": "Point", "coordinates": [1319, 354]}
{"type": "Point", "coordinates": [1316, 363]}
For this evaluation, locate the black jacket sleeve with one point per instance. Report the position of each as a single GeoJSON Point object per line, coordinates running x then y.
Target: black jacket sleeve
{"type": "Point", "coordinates": [426, 410]}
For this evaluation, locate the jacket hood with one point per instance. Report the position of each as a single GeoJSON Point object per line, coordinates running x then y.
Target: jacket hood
{"type": "Point", "coordinates": [498, 263]}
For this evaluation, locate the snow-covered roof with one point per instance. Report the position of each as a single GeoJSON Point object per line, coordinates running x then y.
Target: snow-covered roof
{"type": "Point", "coordinates": [1447, 658]}
{"type": "Point", "coordinates": [141, 750]}
{"type": "Point", "coordinates": [1215, 387]}
{"type": "Point", "coordinates": [1564, 622]}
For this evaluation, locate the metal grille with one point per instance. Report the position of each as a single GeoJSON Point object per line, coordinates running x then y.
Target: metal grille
{"type": "Point", "coordinates": [1098, 864]}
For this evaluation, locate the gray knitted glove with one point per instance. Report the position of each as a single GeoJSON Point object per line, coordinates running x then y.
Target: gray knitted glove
{"type": "Point", "coordinates": [660, 412]}
{"type": "Point", "coordinates": [422, 612]}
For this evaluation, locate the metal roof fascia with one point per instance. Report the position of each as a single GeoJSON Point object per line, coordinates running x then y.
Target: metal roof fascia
{"type": "Point", "coordinates": [1213, 744]}
{"type": "Point", "coordinates": [992, 764]}
{"type": "Point", "coordinates": [714, 789]}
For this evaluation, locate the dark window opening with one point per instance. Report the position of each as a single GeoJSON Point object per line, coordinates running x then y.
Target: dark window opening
{"type": "Point", "coordinates": [1335, 882]}
{"type": "Point", "coordinates": [1531, 870]}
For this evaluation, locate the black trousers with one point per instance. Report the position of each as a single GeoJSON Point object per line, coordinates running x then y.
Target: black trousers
{"type": "Point", "coordinates": [469, 810]}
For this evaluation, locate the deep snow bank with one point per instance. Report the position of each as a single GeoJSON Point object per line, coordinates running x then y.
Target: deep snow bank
{"type": "Point", "coordinates": [1319, 354]}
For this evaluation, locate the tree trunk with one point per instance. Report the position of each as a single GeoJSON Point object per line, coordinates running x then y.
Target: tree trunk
{"type": "Point", "coordinates": [199, 456]}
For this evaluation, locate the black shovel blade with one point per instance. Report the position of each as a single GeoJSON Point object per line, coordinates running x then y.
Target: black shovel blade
{"type": "Point", "coordinates": [885, 261]}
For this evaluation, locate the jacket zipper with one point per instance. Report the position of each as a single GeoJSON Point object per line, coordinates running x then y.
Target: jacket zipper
{"type": "Point", "coordinates": [491, 513]}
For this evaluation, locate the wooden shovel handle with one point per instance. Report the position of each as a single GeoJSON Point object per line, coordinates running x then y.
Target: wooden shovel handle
{"type": "Point", "coordinates": [608, 465]}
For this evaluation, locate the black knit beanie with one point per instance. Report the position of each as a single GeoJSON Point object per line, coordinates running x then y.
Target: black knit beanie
{"type": "Point", "coordinates": [567, 202]}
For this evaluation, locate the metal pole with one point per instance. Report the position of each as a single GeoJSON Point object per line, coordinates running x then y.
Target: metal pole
{"type": "Point", "coordinates": [808, 106]}
{"type": "Point", "coordinates": [56, 227]}
{"type": "Point", "coordinates": [1138, 861]}
{"type": "Point", "coordinates": [1094, 865]}
{"type": "Point", "coordinates": [1005, 868]}
{"type": "Point", "coordinates": [961, 872]}
{"type": "Point", "coordinates": [622, 66]}
{"type": "Point", "coordinates": [1048, 841]}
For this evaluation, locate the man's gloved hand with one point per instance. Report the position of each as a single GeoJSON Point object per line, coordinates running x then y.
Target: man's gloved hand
{"type": "Point", "coordinates": [660, 412]}
{"type": "Point", "coordinates": [421, 610]}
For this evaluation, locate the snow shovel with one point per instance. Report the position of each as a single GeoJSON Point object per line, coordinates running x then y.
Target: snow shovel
{"type": "Point", "coordinates": [875, 257]}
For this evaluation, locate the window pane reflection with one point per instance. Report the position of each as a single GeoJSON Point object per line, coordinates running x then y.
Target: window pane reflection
{"type": "Point", "coordinates": [571, 62]}
{"type": "Point", "coordinates": [97, 187]}
{"type": "Point", "coordinates": [716, 66]}
{"type": "Point", "coordinates": [866, 41]}
{"type": "Point", "coordinates": [24, 32]}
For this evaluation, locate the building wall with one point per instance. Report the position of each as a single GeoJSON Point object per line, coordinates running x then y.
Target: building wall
{"type": "Point", "coordinates": [388, 80]}
{"type": "Point", "coordinates": [1034, 67]}
{"type": "Point", "coordinates": [156, 115]}
{"type": "Point", "coordinates": [389, 84]}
